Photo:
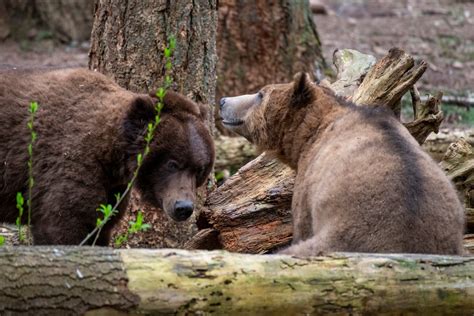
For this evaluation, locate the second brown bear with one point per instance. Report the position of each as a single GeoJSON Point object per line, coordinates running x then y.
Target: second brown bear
{"type": "Point", "coordinates": [363, 183]}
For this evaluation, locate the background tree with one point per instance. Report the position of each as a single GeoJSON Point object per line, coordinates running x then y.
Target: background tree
{"type": "Point", "coordinates": [261, 42]}
{"type": "Point", "coordinates": [127, 42]}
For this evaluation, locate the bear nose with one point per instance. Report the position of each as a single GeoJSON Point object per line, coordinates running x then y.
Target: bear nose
{"type": "Point", "coordinates": [183, 209]}
{"type": "Point", "coordinates": [222, 102]}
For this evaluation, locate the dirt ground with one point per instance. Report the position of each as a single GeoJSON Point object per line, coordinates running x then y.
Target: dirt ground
{"type": "Point", "coordinates": [439, 31]}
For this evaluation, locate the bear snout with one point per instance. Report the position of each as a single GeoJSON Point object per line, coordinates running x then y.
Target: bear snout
{"type": "Point", "coordinates": [183, 210]}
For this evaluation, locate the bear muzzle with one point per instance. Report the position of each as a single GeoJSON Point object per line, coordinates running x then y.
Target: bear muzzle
{"type": "Point", "coordinates": [182, 210]}
{"type": "Point", "coordinates": [234, 109]}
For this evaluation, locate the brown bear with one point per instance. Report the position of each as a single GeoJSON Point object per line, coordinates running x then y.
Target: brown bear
{"type": "Point", "coordinates": [90, 131]}
{"type": "Point", "coordinates": [363, 183]}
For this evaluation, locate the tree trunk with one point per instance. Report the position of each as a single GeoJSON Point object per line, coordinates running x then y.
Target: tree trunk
{"type": "Point", "coordinates": [75, 280]}
{"type": "Point", "coordinates": [127, 43]}
{"type": "Point", "coordinates": [251, 212]}
{"type": "Point", "coordinates": [261, 42]}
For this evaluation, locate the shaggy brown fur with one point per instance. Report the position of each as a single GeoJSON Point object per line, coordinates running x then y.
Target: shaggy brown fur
{"type": "Point", "coordinates": [89, 133]}
{"type": "Point", "coordinates": [363, 183]}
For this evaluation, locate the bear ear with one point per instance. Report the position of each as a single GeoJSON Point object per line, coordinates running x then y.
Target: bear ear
{"type": "Point", "coordinates": [140, 113]}
{"type": "Point", "coordinates": [302, 90]}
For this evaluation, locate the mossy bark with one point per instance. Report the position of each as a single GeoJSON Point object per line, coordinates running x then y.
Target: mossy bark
{"type": "Point", "coordinates": [75, 280]}
{"type": "Point", "coordinates": [128, 39]}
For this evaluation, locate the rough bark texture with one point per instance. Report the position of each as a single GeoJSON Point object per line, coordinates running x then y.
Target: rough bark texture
{"type": "Point", "coordinates": [127, 43]}
{"type": "Point", "coordinates": [389, 79]}
{"type": "Point", "coordinates": [247, 215]}
{"type": "Point", "coordinates": [261, 42]}
{"type": "Point", "coordinates": [255, 218]}
{"type": "Point", "coordinates": [62, 281]}
{"type": "Point", "coordinates": [49, 281]}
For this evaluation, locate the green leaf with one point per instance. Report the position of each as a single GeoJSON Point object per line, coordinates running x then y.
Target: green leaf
{"type": "Point", "coordinates": [139, 159]}
{"type": "Point", "coordinates": [159, 107]}
{"type": "Point", "coordinates": [139, 218]}
{"type": "Point", "coordinates": [98, 223]}
{"type": "Point", "coordinates": [120, 240]}
{"type": "Point", "coordinates": [145, 227]}
{"type": "Point", "coordinates": [19, 199]}
{"type": "Point", "coordinates": [33, 107]}
{"type": "Point", "coordinates": [102, 208]}
{"type": "Point", "coordinates": [117, 197]}
{"type": "Point", "coordinates": [33, 136]}
{"type": "Point", "coordinates": [160, 93]}
{"type": "Point", "coordinates": [168, 80]}
{"type": "Point", "coordinates": [30, 125]}
{"type": "Point", "coordinates": [167, 52]}
{"type": "Point", "coordinates": [30, 152]}
{"type": "Point", "coordinates": [2, 240]}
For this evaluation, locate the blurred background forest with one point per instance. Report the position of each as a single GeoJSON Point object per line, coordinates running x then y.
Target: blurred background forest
{"type": "Point", "coordinates": [262, 42]}
{"type": "Point", "coordinates": [56, 33]}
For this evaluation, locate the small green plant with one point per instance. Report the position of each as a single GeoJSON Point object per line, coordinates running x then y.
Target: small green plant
{"type": "Point", "coordinates": [20, 201]}
{"type": "Point", "coordinates": [19, 196]}
{"type": "Point", "coordinates": [133, 228]}
{"type": "Point", "coordinates": [2, 241]}
{"type": "Point", "coordinates": [107, 209]}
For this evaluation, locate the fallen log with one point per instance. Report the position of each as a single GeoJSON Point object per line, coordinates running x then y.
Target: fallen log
{"type": "Point", "coordinates": [103, 281]}
{"type": "Point", "coordinates": [437, 144]}
{"type": "Point", "coordinates": [246, 215]}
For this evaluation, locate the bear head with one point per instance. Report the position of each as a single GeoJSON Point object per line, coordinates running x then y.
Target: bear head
{"type": "Point", "coordinates": [263, 116]}
{"type": "Point", "coordinates": [181, 153]}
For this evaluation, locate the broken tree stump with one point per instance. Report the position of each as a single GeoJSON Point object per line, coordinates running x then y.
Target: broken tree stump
{"type": "Point", "coordinates": [245, 215]}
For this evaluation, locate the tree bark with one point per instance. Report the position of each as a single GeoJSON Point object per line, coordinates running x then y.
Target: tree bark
{"type": "Point", "coordinates": [252, 213]}
{"type": "Point", "coordinates": [75, 280]}
{"type": "Point", "coordinates": [127, 43]}
{"type": "Point", "coordinates": [262, 42]}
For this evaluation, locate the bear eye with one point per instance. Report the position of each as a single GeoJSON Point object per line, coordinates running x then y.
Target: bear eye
{"type": "Point", "coordinates": [172, 165]}
{"type": "Point", "coordinates": [200, 175]}
{"type": "Point", "coordinates": [260, 95]}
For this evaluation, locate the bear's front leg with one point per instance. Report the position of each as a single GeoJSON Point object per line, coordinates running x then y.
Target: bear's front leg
{"type": "Point", "coordinates": [66, 211]}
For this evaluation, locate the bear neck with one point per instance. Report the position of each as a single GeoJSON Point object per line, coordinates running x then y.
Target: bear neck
{"type": "Point", "coordinates": [307, 125]}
